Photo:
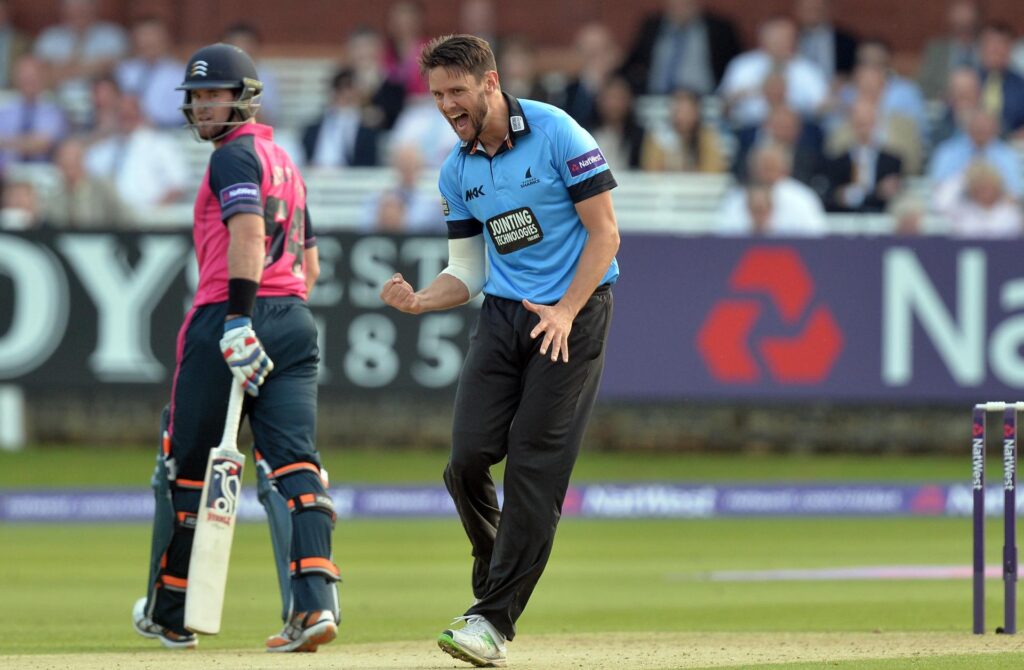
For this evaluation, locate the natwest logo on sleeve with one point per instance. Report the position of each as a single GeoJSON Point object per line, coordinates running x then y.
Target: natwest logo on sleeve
{"type": "Point", "coordinates": [247, 192]}
{"type": "Point", "coordinates": [591, 160]}
{"type": "Point", "coordinates": [724, 340]}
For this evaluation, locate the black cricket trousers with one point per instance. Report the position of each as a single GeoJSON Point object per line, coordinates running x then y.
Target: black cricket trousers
{"type": "Point", "coordinates": [514, 403]}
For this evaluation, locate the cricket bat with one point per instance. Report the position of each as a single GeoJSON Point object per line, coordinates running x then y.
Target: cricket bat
{"type": "Point", "coordinates": [215, 526]}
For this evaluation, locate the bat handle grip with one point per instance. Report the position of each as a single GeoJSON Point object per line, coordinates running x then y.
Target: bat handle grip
{"type": "Point", "coordinates": [233, 417]}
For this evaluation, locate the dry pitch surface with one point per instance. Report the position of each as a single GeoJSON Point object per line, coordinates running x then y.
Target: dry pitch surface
{"type": "Point", "coordinates": [616, 651]}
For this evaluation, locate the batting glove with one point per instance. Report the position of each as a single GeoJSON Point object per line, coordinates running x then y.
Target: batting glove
{"type": "Point", "coordinates": [243, 352]}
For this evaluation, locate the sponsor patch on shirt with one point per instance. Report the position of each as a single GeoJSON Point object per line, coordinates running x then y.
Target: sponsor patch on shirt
{"type": "Point", "coordinates": [514, 230]}
{"type": "Point", "coordinates": [444, 206]}
{"type": "Point", "coordinates": [236, 194]}
{"type": "Point", "coordinates": [591, 160]}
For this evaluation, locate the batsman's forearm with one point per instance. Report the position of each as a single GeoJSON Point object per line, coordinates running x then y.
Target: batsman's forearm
{"type": "Point", "coordinates": [443, 293]}
{"type": "Point", "coordinates": [245, 257]}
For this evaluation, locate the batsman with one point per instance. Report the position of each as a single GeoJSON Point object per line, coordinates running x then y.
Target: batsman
{"type": "Point", "coordinates": [249, 325]}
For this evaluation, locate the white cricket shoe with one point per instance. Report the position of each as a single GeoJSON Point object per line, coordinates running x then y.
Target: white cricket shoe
{"type": "Point", "coordinates": [146, 627]}
{"type": "Point", "coordinates": [478, 642]}
{"type": "Point", "coordinates": [306, 631]}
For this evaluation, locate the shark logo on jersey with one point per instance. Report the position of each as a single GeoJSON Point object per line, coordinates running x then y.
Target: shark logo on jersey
{"type": "Point", "coordinates": [529, 179]}
{"type": "Point", "coordinates": [514, 230]}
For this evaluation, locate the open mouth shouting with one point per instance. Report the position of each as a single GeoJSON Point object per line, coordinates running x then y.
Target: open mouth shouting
{"type": "Point", "coordinates": [460, 122]}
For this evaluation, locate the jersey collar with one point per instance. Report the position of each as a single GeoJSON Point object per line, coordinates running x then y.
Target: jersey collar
{"type": "Point", "coordinates": [517, 123]}
{"type": "Point", "coordinates": [258, 129]}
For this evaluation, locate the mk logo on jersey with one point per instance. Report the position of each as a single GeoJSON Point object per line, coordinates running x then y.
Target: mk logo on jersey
{"type": "Point", "coordinates": [199, 68]}
{"type": "Point", "coordinates": [529, 179]}
{"type": "Point", "coordinates": [474, 192]}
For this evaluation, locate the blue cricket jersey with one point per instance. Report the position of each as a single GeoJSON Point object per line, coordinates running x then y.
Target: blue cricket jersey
{"type": "Point", "coordinates": [523, 201]}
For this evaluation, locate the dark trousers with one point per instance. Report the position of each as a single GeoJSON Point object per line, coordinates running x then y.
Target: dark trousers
{"type": "Point", "coordinates": [514, 403]}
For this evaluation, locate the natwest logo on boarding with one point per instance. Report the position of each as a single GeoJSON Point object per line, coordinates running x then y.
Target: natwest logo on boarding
{"type": "Point", "coordinates": [810, 341]}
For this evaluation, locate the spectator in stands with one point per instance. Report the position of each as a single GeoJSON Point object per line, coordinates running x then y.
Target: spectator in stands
{"type": "Point", "coordinates": [687, 144]}
{"type": "Point", "coordinates": [617, 131]}
{"type": "Point", "coordinates": [479, 17]}
{"type": "Point", "coordinates": [801, 138]}
{"type": "Point", "coordinates": [152, 73]}
{"type": "Point", "coordinates": [908, 214]}
{"type": "Point", "coordinates": [760, 208]}
{"type": "Point", "coordinates": [13, 45]}
{"type": "Point", "coordinates": [683, 46]}
{"type": "Point", "coordinates": [144, 165]}
{"type": "Point", "coordinates": [895, 131]}
{"type": "Point", "coordinates": [598, 56]}
{"type": "Point", "coordinates": [958, 48]}
{"type": "Point", "coordinates": [19, 206]}
{"type": "Point", "coordinates": [83, 201]}
{"type": "Point", "coordinates": [821, 42]}
{"type": "Point", "coordinates": [388, 213]}
{"type": "Point", "coordinates": [900, 96]}
{"type": "Point", "coordinates": [405, 206]}
{"type": "Point", "coordinates": [405, 40]}
{"type": "Point", "coordinates": [795, 208]}
{"type": "Point", "coordinates": [341, 137]}
{"type": "Point", "coordinates": [1017, 57]}
{"type": "Point", "coordinates": [806, 86]}
{"type": "Point", "coordinates": [517, 62]}
{"type": "Point", "coordinates": [31, 123]}
{"type": "Point", "coordinates": [867, 177]}
{"type": "Point", "coordinates": [246, 37]}
{"type": "Point", "coordinates": [420, 124]}
{"type": "Point", "coordinates": [384, 98]}
{"type": "Point", "coordinates": [963, 96]}
{"type": "Point", "coordinates": [803, 141]}
{"type": "Point", "coordinates": [80, 47]}
{"type": "Point", "coordinates": [102, 122]}
{"type": "Point", "coordinates": [1002, 89]}
{"type": "Point", "coordinates": [977, 205]}
{"type": "Point", "coordinates": [951, 159]}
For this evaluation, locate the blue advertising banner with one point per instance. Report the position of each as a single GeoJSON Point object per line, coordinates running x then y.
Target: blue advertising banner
{"type": "Point", "coordinates": [843, 319]}
{"type": "Point", "coordinates": [877, 320]}
{"type": "Point", "coordinates": [600, 501]}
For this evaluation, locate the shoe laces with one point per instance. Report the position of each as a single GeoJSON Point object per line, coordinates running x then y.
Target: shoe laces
{"type": "Point", "coordinates": [478, 623]}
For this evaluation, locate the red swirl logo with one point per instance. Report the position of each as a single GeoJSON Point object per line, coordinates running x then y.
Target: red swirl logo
{"type": "Point", "coordinates": [724, 340]}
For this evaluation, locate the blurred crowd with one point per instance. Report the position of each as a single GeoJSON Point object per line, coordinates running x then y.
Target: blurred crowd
{"type": "Point", "coordinates": [812, 119]}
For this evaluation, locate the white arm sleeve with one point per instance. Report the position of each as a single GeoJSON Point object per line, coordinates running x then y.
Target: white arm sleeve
{"type": "Point", "coordinates": [466, 262]}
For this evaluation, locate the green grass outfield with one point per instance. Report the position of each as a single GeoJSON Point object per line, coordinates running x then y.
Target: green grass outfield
{"type": "Point", "coordinates": [68, 589]}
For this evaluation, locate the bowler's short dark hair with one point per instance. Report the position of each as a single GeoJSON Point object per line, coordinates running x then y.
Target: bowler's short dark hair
{"type": "Point", "coordinates": [466, 53]}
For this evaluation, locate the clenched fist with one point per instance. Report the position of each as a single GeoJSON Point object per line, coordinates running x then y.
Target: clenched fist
{"type": "Point", "coordinates": [398, 293]}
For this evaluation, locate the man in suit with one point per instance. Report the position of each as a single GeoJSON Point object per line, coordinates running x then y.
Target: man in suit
{"type": "Point", "coordinates": [957, 48]}
{"type": "Point", "coordinates": [866, 177]}
{"type": "Point", "coordinates": [801, 137]}
{"type": "Point", "coordinates": [832, 48]}
{"type": "Point", "coordinates": [681, 47]}
{"type": "Point", "coordinates": [599, 57]}
{"type": "Point", "coordinates": [342, 136]}
{"type": "Point", "coordinates": [364, 53]}
{"type": "Point", "coordinates": [1002, 89]}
